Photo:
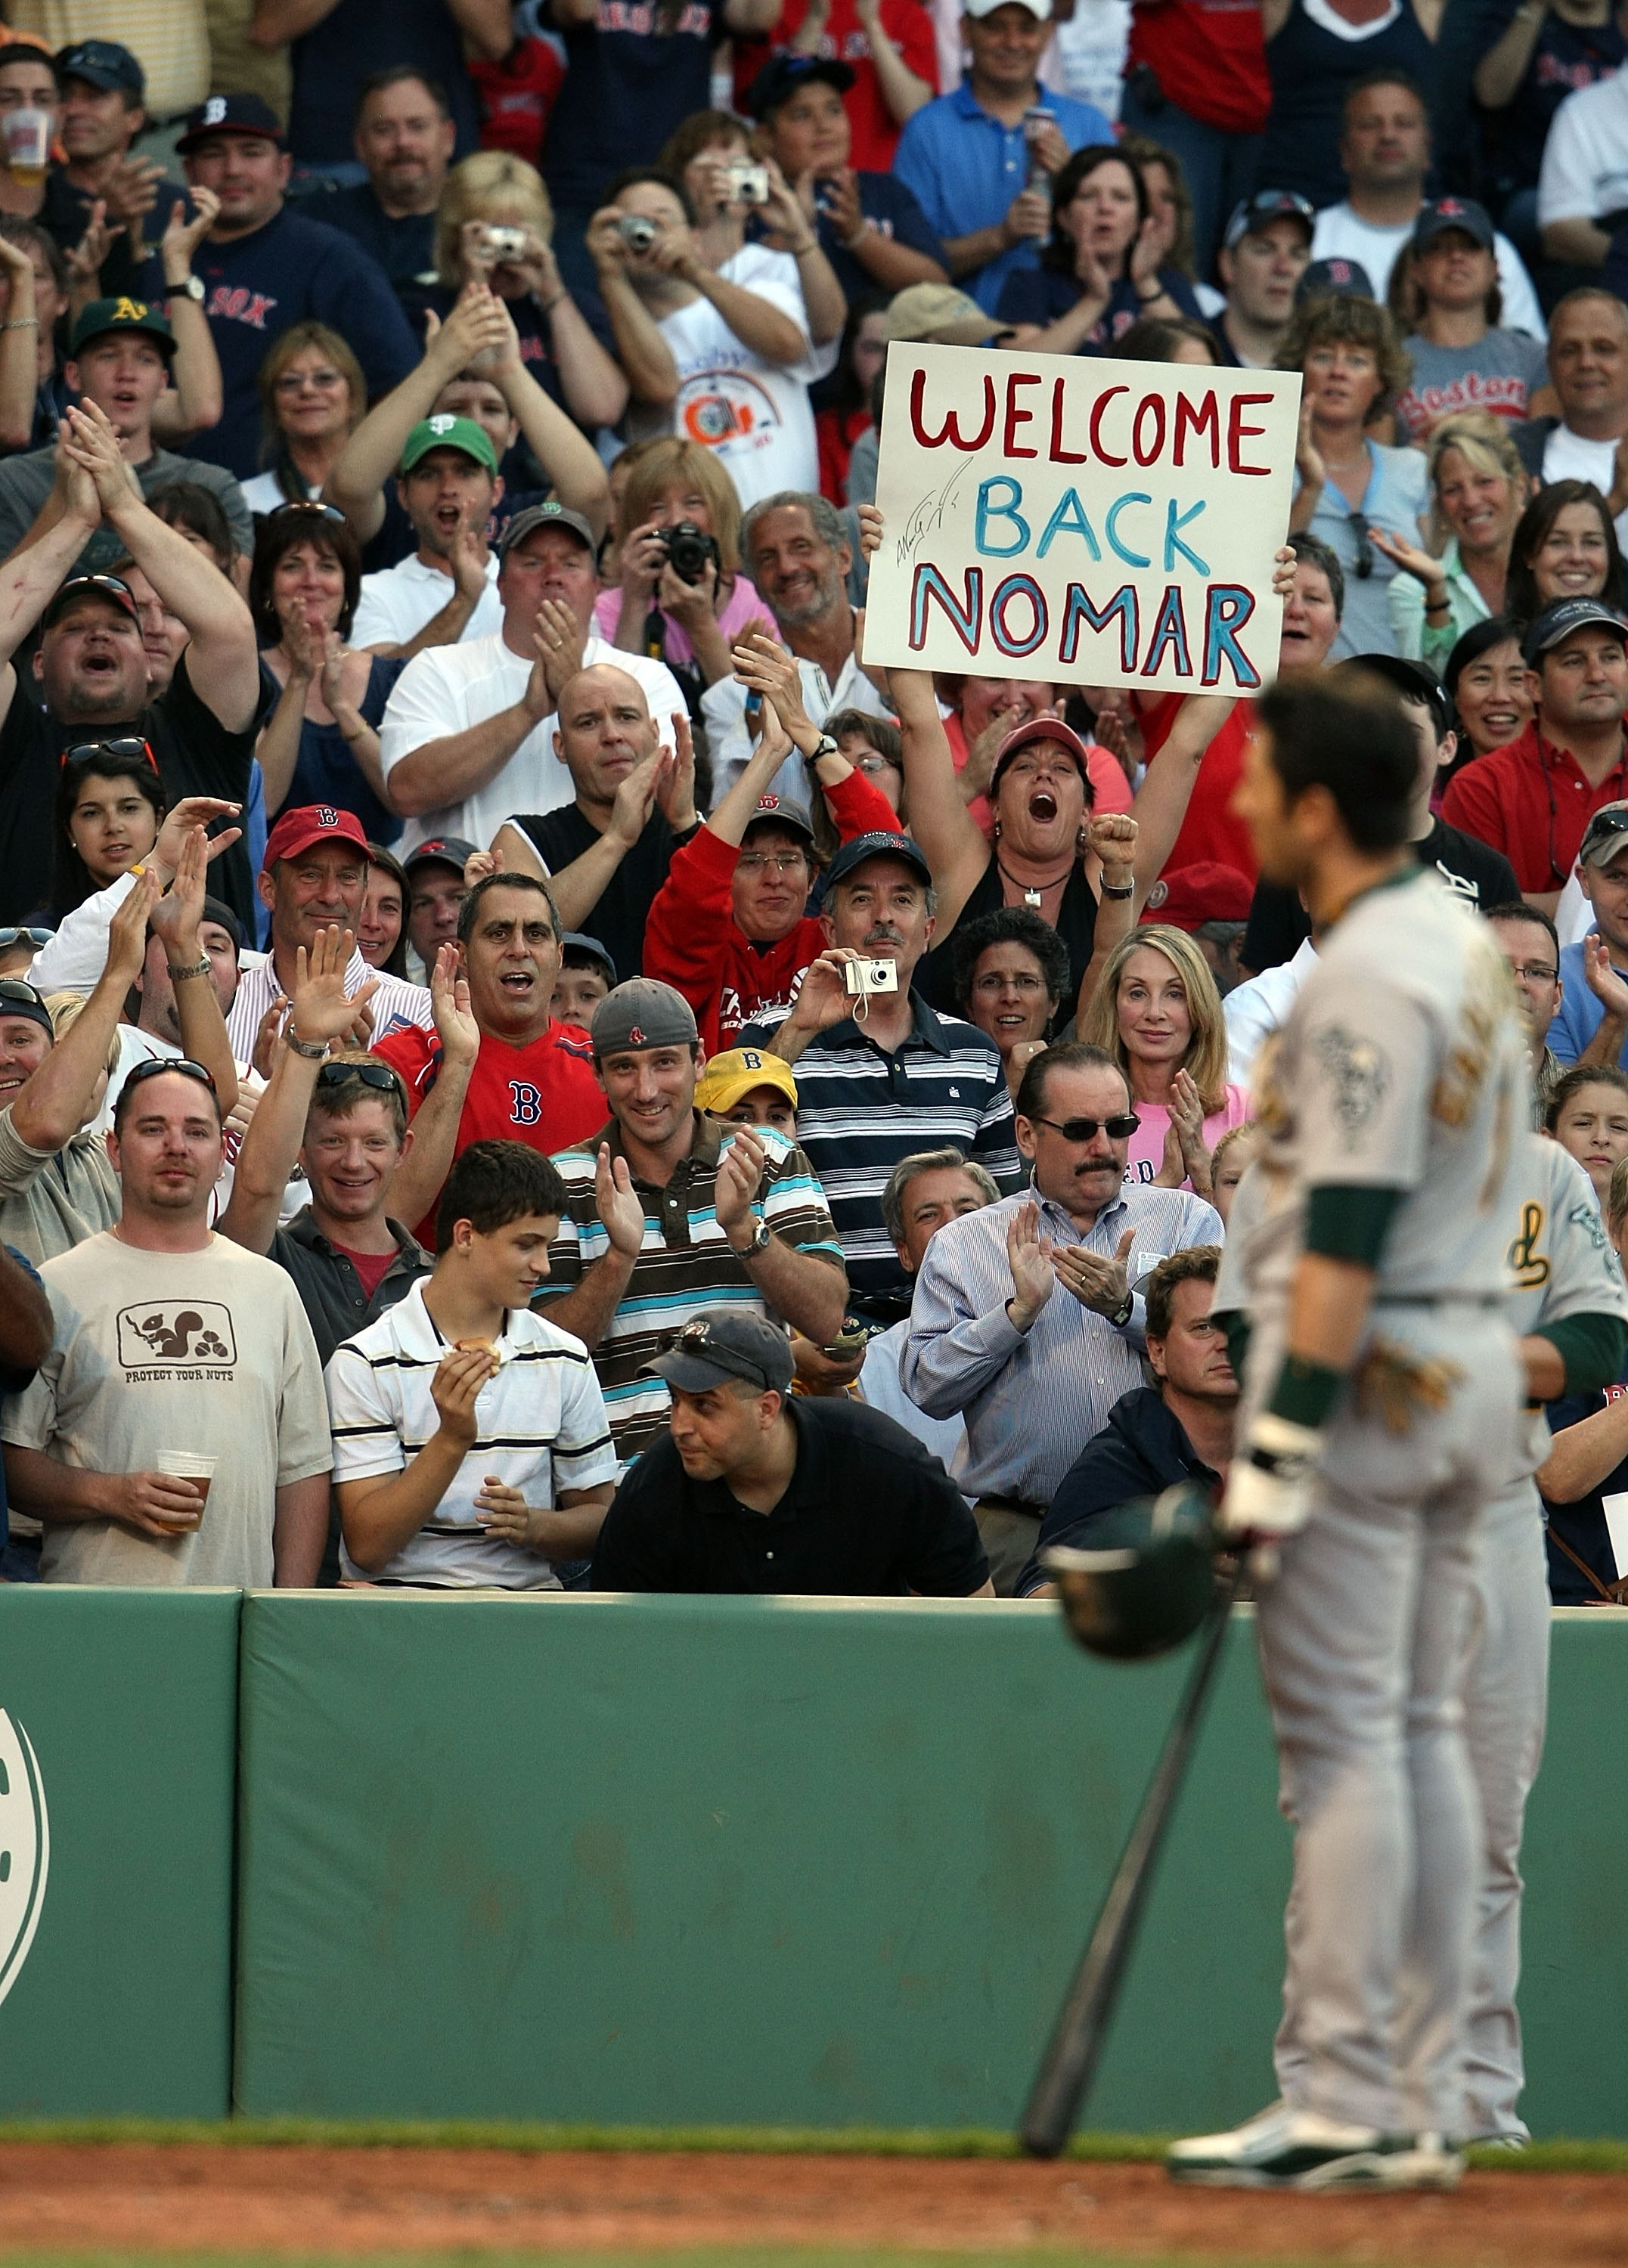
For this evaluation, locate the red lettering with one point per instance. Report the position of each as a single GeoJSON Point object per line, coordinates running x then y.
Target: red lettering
{"type": "Point", "coordinates": [1155, 403]}
{"type": "Point", "coordinates": [950, 431]}
{"type": "Point", "coordinates": [1097, 444]}
{"type": "Point", "coordinates": [1059, 454]}
{"type": "Point", "coordinates": [1204, 419]}
{"type": "Point", "coordinates": [1017, 415]}
{"type": "Point", "coordinates": [1238, 433]}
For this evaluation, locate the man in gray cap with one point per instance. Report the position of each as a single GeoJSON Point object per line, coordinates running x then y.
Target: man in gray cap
{"type": "Point", "coordinates": [752, 1491]}
{"type": "Point", "coordinates": [1591, 1023]}
{"type": "Point", "coordinates": [668, 1214]}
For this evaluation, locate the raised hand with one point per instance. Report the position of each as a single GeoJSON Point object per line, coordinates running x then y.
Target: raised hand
{"type": "Point", "coordinates": [1112, 835]}
{"type": "Point", "coordinates": [675, 787]}
{"type": "Point", "coordinates": [84, 261]}
{"type": "Point", "coordinates": [636, 796]}
{"type": "Point", "coordinates": [870, 530]}
{"type": "Point", "coordinates": [182, 237]}
{"type": "Point", "coordinates": [763, 666]}
{"type": "Point", "coordinates": [320, 1008]}
{"type": "Point", "coordinates": [90, 440]}
{"type": "Point", "coordinates": [559, 641]}
{"type": "Point", "coordinates": [1097, 1284]}
{"type": "Point", "coordinates": [1032, 1259]}
{"type": "Point", "coordinates": [1608, 988]}
{"type": "Point", "coordinates": [1413, 560]}
{"type": "Point", "coordinates": [449, 1006]}
{"type": "Point", "coordinates": [620, 1208]}
{"type": "Point", "coordinates": [180, 818]}
{"type": "Point", "coordinates": [127, 931]}
{"type": "Point", "coordinates": [1308, 456]}
{"type": "Point", "coordinates": [468, 564]}
{"type": "Point", "coordinates": [740, 1177]}
{"type": "Point", "coordinates": [262, 1055]}
{"type": "Point", "coordinates": [177, 914]}
{"type": "Point", "coordinates": [823, 998]}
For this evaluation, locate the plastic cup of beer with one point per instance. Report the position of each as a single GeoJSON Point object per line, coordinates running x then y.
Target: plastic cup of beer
{"type": "Point", "coordinates": [183, 1465]}
{"type": "Point", "coordinates": [27, 133]}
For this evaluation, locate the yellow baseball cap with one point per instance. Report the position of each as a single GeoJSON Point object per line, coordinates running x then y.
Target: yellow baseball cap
{"type": "Point", "coordinates": [735, 1072]}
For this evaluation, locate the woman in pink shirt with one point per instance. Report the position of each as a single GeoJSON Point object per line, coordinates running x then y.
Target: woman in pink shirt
{"type": "Point", "coordinates": [685, 611]}
{"type": "Point", "coordinates": [1157, 1012]}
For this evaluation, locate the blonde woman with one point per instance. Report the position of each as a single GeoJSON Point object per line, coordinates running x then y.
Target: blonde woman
{"type": "Point", "coordinates": [312, 396]}
{"type": "Point", "coordinates": [700, 607]}
{"type": "Point", "coordinates": [1478, 489]}
{"type": "Point", "coordinates": [1157, 1012]}
{"type": "Point", "coordinates": [496, 191]}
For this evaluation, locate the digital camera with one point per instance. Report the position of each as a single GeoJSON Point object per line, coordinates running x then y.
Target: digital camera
{"type": "Point", "coordinates": [865, 976]}
{"type": "Point", "coordinates": [688, 551]}
{"type": "Point", "coordinates": [504, 243]}
{"type": "Point", "coordinates": [748, 181]}
{"type": "Point", "coordinates": [638, 233]}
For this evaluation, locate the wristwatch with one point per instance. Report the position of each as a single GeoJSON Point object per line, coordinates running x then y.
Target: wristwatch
{"type": "Point", "coordinates": [190, 287]}
{"type": "Point", "coordinates": [825, 746]}
{"type": "Point", "coordinates": [760, 1242]}
{"type": "Point", "coordinates": [1122, 1315]}
{"type": "Point", "coordinates": [199, 968]}
{"type": "Point", "coordinates": [312, 1050]}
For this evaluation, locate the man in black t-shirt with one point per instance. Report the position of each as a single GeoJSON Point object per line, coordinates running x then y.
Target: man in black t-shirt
{"type": "Point", "coordinates": [753, 1491]}
{"type": "Point", "coordinates": [90, 672]}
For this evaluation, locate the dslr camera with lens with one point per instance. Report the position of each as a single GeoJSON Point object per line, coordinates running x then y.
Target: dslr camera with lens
{"type": "Point", "coordinates": [688, 551]}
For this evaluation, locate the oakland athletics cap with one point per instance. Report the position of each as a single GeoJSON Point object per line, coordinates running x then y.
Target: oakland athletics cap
{"type": "Point", "coordinates": [741, 1071]}
{"type": "Point", "coordinates": [104, 316]}
{"type": "Point", "coordinates": [642, 1013]}
{"type": "Point", "coordinates": [718, 1346]}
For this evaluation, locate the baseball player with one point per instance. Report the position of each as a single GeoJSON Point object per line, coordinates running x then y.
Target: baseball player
{"type": "Point", "coordinates": [1381, 1406]}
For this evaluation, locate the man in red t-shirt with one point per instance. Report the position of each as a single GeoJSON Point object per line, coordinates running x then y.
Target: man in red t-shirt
{"type": "Point", "coordinates": [1533, 800]}
{"type": "Point", "coordinates": [498, 1066]}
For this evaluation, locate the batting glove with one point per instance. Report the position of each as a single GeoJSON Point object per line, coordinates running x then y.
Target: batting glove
{"type": "Point", "coordinates": [1269, 1488]}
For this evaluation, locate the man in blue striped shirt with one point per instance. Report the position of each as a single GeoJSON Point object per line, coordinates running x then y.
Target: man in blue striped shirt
{"type": "Point", "coordinates": [881, 1074]}
{"type": "Point", "coordinates": [1026, 1317]}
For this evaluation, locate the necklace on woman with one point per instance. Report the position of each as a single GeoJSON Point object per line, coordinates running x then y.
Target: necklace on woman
{"type": "Point", "coordinates": [1033, 892]}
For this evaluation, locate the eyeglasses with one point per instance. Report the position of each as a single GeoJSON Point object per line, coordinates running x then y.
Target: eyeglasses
{"type": "Point", "coordinates": [1534, 972]}
{"type": "Point", "coordinates": [307, 503]}
{"type": "Point", "coordinates": [14, 936]}
{"type": "Point", "coordinates": [129, 751]}
{"type": "Point", "coordinates": [326, 381]}
{"type": "Point", "coordinates": [1363, 566]}
{"type": "Point", "coordinates": [184, 1064]}
{"type": "Point", "coordinates": [878, 764]}
{"type": "Point", "coordinates": [368, 1074]}
{"type": "Point", "coordinates": [1085, 1130]}
{"type": "Point", "coordinates": [779, 862]}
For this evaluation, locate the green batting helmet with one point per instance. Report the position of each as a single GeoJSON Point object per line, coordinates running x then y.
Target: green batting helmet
{"type": "Point", "coordinates": [1148, 1580]}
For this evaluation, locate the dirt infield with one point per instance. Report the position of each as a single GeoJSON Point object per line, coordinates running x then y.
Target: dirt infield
{"type": "Point", "coordinates": [248, 2198]}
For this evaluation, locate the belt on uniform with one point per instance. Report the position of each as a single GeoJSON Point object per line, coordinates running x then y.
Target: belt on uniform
{"type": "Point", "coordinates": [1439, 1298]}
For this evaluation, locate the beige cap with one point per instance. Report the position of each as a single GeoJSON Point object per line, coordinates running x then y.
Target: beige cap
{"type": "Point", "coordinates": [938, 313]}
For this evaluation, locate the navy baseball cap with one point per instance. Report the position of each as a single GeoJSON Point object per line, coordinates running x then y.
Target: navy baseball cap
{"type": "Point", "coordinates": [1447, 213]}
{"type": "Point", "coordinates": [1333, 279]}
{"type": "Point", "coordinates": [1415, 681]}
{"type": "Point", "coordinates": [718, 1346]}
{"type": "Point", "coordinates": [232, 113]}
{"type": "Point", "coordinates": [783, 75]}
{"type": "Point", "coordinates": [1257, 212]}
{"type": "Point", "coordinates": [103, 63]}
{"type": "Point", "coordinates": [577, 942]}
{"type": "Point", "coordinates": [1558, 622]}
{"type": "Point", "coordinates": [877, 843]}
{"type": "Point", "coordinates": [440, 849]}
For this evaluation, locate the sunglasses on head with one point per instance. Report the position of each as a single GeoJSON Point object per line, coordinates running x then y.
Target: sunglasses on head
{"type": "Point", "coordinates": [130, 750]}
{"type": "Point", "coordinates": [13, 987]}
{"type": "Point", "coordinates": [1118, 1129]}
{"type": "Point", "coordinates": [307, 503]}
{"type": "Point", "coordinates": [14, 935]}
{"type": "Point", "coordinates": [374, 1074]}
{"type": "Point", "coordinates": [1363, 565]}
{"type": "Point", "coordinates": [157, 1064]}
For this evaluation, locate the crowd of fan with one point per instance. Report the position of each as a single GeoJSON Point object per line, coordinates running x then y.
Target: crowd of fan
{"type": "Point", "coordinates": [523, 1060]}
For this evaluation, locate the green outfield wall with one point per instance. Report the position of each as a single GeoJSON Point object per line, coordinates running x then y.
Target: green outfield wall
{"type": "Point", "coordinates": [676, 1862]}
{"type": "Point", "coordinates": [118, 1754]}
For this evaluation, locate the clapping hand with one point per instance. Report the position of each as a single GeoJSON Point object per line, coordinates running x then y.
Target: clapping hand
{"type": "Point", "coordinates": [455, 1027]}
{"type": "Point", "coordinates": [1608, 988]}
{"type": "Point", "coordinates": [1100, 1285]}
{"type": "Point", "coordinates": [1031, 1259]}
{"type": "Point", "coordinates": [621, 1210]}
{"type": "Point", "coordinates": [459, 1377]}
{"type": "Point", "coordinates": [1186, 1152]}
{"type": "Point", "coordinates": [320, 1008]}
{"type": "Point", "coordinates": [740, 1177]}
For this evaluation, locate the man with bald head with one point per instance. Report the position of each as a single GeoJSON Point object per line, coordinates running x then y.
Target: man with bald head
{"type": "Point", "coordinates": [470, 733]}
{"type": "Point", "coordinates": [633, 803]}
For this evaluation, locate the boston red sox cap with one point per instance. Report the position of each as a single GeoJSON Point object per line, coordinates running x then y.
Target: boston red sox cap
{"type": "Point", "coordinates": [312, 823]}
{"type": "Point", "coordinates": [442, 850]}
{"type": "Point", "coordinates": [231, 114]}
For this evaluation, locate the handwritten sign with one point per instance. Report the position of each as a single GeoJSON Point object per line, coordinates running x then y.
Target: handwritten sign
{"type": "Point", "coordinates": [1081, 520]}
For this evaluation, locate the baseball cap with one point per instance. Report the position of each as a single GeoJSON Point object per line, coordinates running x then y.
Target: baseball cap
{"type": "Point", "coordinates": [877, 843]}
{"type": "Point", "coordinates": [1251, 214]}
{"type": "Point", "coordinates": [545, 515]}
{"type": "Point", "coordinates": [1333, 279]}
{"type": "Point", "coordinates": [938, 312]}
{"type": "Point", "coordinates": [232, 113]}
{"type": "Point", "coordinates": [103, 63]}
{"type": "Point", "coordinates": [445, 431]}
{"type": "Point", "coordinates": [1206, 891]}
{"type": "Point", "coordinates": [1041, 728]}
{"type": "Point", "coordinates": [718, 1346]}
{"type": "Point", "coordinates": [441, 850]}
{"type": "Point", "coordinates": [312, 823]}
{"type": "Point", "coordinates": [1041, 7]}
{"type": "Point", "coordinates": [103, 315]}
{"type": "Point", "coordinates": [1605, 834]}
{"type": "Point", "coordinates": [784, 813]}
{"type": "Point", "coordinates": [643, 1013]}
{"type": "Point", "coordinates": [585, 948]}
{"type": "Point", "coordinates": [223, 917]}
{"type": "Point", "coordinates": [1415, 681]}
{"type": "Point", "coordinates": [18, 997]}
{"type": "Point", "coordinates": [739, 1071]}
{"type": "Point", "coordinates": [1559, 621]}
{"type": "Point", "coordinates": [782, 75]}
{"type": "Point", "coordinates": [1447, 213]}
{"type": "Point", "coordinates": [113, 588]}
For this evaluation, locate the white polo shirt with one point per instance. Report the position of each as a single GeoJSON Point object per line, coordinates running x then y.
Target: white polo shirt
{"type": "Point", "coordinates": [1585, 169]}
{"type": "Point", "coordinates": [541, 1427]}
{"type": "Point", "coordinates": [397, 602]}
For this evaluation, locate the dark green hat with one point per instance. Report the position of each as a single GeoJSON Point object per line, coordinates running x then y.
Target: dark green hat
{"type": "Point", "coordinates": [1148, 1578]}
{"type": "Point", "coordinates": [103, 315]}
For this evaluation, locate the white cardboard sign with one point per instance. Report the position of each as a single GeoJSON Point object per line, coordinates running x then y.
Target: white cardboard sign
{"type": "Point", "coordinates": [1081, 520]}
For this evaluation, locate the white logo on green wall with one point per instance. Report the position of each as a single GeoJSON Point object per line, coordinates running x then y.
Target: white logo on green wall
{"type": "Point", "coordinates": [25, 1849]}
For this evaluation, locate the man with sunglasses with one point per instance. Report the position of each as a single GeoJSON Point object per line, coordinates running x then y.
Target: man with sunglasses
{"type": "Point", "coordinates": [1027, 1317]}
{"type": "Point", "coordinates": [1590, 1025]}
{"type": "Point", "coordinates": [177, 1353]}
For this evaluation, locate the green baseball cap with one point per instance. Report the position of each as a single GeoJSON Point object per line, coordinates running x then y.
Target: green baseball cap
{"type": "Point", "coordinates": [104, 316]}
{"type": "Point", "coordinates": [444, 431]}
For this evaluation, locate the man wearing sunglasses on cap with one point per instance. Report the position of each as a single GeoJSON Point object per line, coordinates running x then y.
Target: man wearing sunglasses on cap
{"type": "Point", "coordinates": [1026, 1317]}
{"type": "Point", "coordinates": [177, 1433]}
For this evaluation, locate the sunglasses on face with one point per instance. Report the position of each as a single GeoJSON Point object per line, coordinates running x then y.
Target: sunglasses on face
{"type": "Point", "coordinates": [374, 1075]}
{"type": "Point", "coordinates": [14, 935]}
{"type": "Point", "coordinates": [1363, 565]}
{"type": "Point", "coordinates": [1085, 1130]}
{"type": "Point", "coordinates": [184, 1064]}
{"type": "Point", "coordinates": [130, 750]}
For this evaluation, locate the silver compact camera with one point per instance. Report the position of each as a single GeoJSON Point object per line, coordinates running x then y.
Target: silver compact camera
{"type": "Point", "coordinates": [638, 233]}
{"type": "Point", "coordinates": [863, 977]}
{"type": "Point", "coordinates": [747, 181]}
{"type": "Point", "coordinates": [505, 243]}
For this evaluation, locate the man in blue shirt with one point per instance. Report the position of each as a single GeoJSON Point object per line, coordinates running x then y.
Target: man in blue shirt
{"type": "Point", "coordinates": [981, 176]}
{"type": "Point", "coordinates": [264, 268]}
{"type": "Point", "coordinates": [1591, 1024]}
{"type": "Point", "coordinates": [404, 135]}
{"type": "Point", "coordinates": [342, 42]}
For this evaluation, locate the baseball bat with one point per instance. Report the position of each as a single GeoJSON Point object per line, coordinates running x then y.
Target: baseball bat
{"type": "Point", "coordinates": [1075, 2047]}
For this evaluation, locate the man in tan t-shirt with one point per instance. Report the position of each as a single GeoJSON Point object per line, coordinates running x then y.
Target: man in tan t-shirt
{"type": "Point", "coordinates": [171, 1344]}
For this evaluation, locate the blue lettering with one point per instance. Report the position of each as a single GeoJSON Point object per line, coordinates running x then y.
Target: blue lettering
{"type": "Point", "coordinates": [1069, 518]}
{"type": "Point", "coordinates": [991, 506]}
{"type": "Point", "coordinates": [966, 621]}
{"type": "Point", "coordinates": [1123, 504]}
{"type": "Point", "coordinates": [1174, 522]}
{"type": "Point", "coordinates": [1170, 631]}
{"type": "Point", "coordinates": [1016, 587]}
{"type": "Point", "coordinates": [1079, 610]}
{"type": "Point", "coordinates": [1227, 607]}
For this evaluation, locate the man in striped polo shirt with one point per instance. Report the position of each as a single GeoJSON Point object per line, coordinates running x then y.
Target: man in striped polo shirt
{"type": "Point", "coordinates": [668, 1214]}
{"type": "Point", "coordinates": [884, 1075]}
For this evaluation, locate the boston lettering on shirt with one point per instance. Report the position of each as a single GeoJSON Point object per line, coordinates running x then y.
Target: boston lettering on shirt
{"type": "Point", "coordinates": [257, 285]}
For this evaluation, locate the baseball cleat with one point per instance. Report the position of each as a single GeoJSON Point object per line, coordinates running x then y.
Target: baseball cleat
{"type": "Point", "coordinates": [1287, 2149]}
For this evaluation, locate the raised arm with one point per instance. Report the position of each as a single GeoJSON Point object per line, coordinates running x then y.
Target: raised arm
{"type": "Point", "coordinates": [641, 349]}
{"type": "Point", "coordinates": [196, 395]}
{"type": "Point", "coordinates": [560, 447]}
{"type": "Point", "coordinates": [939, 819]}
{"type": "Point", "coordinates": [52, 1103]}
{"type": "Point", "coordinates": [586, 1310]}
{"type": "Point", "coordinates": [425, 1165]}
{"type": "Point", "coordinates": [459, 764]}
{"type": "Point", "coordinates": [19, 350]}
{"type": "Point", "coordinates": [35, 571]}
{"type": "Point", "coordinates": [1161, 803]}
{"type": "Point", "coordinates": [809, 1292]}
{"type": "Point", "coordinates": [175, 920]}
